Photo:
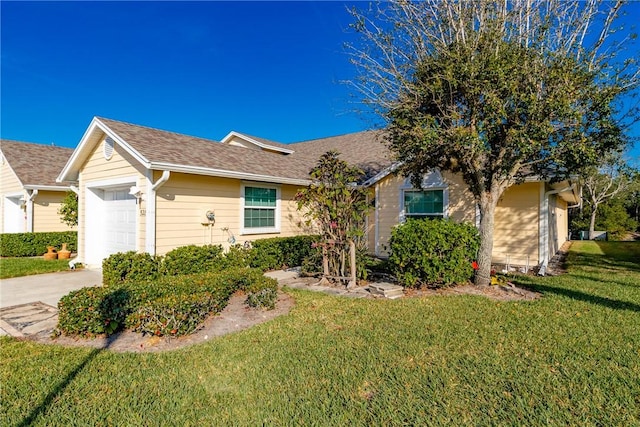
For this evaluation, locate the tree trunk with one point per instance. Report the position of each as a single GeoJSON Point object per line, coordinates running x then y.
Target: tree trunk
{"type": "Point", "coordinates": [488, 202]}
{"type": "Point", "coordinates": [592, 222]}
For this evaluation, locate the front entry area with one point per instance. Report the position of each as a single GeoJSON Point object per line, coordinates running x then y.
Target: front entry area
{"type": "Point", "coordinates": [111, 218]}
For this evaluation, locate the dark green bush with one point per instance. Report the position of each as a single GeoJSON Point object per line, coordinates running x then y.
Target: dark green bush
{"type": "Point", "coordinates": [35, 244]}
{"type": "Point", "coordinates": [94, 311]}
{"type": "Point", "coordinates": [170, 305]}
{"type": "Point", "coordinates": [433, 253]}
{"type": "Point", "coordinates": [193, 259]}
{"type": "Point", "coordinates": [123, 266]}
{"type": "Point", "coordinates": [278, 252]}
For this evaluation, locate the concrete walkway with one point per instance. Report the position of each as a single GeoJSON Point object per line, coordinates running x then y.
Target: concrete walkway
{"type": "Point", "coordinates": [28, 305]}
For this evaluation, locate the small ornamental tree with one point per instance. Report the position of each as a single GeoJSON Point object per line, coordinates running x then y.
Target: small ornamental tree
{"type": "Point", "coordinates": [68, 210]}
{"type": "Point", "coordinates": [339, 207]}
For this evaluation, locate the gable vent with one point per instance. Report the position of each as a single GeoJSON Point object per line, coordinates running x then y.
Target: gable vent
{"type": "Point", "coordinates": [108, 148]}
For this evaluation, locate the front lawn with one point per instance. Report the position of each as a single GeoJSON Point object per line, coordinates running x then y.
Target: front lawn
{"type": "Point", "coordinates": [569, 358]}
{"type": "Point", "coordinates": [27, 266]}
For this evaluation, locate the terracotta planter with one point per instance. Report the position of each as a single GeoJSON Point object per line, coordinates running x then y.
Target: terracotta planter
{"type": "Point", "coordinates": [51, 254]}
{"type": "Point", "coordinates": [64, 253]}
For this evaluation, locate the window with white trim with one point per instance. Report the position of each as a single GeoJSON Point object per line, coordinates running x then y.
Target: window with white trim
{"type": "Point", "coordinates": [260, 209]}
{"type": "Point", "coordinates": [424, 204]}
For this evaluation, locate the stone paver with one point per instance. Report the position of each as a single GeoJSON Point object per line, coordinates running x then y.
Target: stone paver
{"type": "Point", "coordinates": [28, 319]}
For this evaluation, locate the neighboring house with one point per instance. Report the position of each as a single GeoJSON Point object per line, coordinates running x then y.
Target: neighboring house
{"type": "Point", "coordinates": [150, 190]}
{"type": "Point", "coordinates": [30, 195]}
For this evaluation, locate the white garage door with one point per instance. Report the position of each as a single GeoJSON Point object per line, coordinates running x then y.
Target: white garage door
{"type": "Point", "coordinates": [120, 224]}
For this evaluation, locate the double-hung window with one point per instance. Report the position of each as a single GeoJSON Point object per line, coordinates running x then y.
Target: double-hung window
{"type": "Point", "coordinates": [260, 209]}
{"type": "Point", "coordinates": [424, 204]}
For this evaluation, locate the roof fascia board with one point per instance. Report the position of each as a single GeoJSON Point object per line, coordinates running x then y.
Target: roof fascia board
{"type": "Point", "coordinates": [47, 187]}
{"type": "Point", "coordinates": [228, 174]}
{"type": "Point", "coordinates": [381, 175]}
{"type": "Point", "coordinates": [83, 149]}
{"type": "Point", "coordinates": [256, 142]}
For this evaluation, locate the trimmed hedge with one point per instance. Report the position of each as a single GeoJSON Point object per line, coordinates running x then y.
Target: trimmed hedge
{"type": "Point", "coordinates": [433, 252]}
{"type": "Point", "coordinates": [172, 305]}
{"type": "Point", "coordinates": [126, 266]}
{"type": "Point", "coordinates": [278, 252]}
{"type": "Point", "coordinates": [193, 259]}
{"type": "Point", "coordinates": [35, 244]}
{"type": "Point", "coordinates": [266, 254]}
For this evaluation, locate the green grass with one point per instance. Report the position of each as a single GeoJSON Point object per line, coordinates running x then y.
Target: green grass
{"type": "Point", "coordinates": [569, 358]}
{"type": "Point", "coordinates": [27, 266]}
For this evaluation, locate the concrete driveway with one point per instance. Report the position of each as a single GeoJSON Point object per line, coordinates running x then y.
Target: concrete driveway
{"type": "Point", "coordinates": [28, 305]}
{"type": "Point", "coordinates": [47, 288]}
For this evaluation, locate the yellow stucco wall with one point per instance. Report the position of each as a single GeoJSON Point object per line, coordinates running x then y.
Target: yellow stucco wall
{"type": "Point", "coordinates": [516, 228]}
{"type": "Point", "coordinates": [96, 169]}
{"type": "Point", "coordinates": [183, 201]}
{"type": "Point", "coordinates": [45, 212]}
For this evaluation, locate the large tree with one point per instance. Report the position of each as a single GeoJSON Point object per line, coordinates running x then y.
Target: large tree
{"type": "Point", "coordinates": [496, 91]}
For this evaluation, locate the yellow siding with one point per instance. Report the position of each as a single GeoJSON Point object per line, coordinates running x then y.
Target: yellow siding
{"type": "Point", "coordinates": [388, 210]}
{"type": "Point", "coordinates": [516, 225]}
{"type": "Point", "coordinates": [9, 183]}
{"type": "Point", "coordinates": [560, 221]}
{"type": "Point", "coordinates": [45, 212]}
{"type": "Point", "coordinates": [97, 168]}
{"type": "Point", "coordinates": [461, 205]}
{"type": "Point", "coordinates": [183, 201]}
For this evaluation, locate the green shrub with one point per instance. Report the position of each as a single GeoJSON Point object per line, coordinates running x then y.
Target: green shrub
{"type": "Point", "coordinates": [170, 305]}
{"type": "Point", "coordinates": [262, 293]}
{"type": "Point", "coordinates": [177, 315]}
{"type": "Point", "coordinates": [193, 259]}
{"type": "Point", "coordinates": [124, 266]}
{"type": "Point", "coordinates": [433, 253]}
{"type": "Point", "coordinates": [35, 244]}
{"type": "Point", "coordinates": [278, 252]}
{"type": "Point", "coordinates": [94, 311]}
{"type": "Point", "coordinates": [237, 257]}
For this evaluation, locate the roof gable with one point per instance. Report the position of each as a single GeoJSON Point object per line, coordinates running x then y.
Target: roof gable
{"type": "Point", "coordinates": [247, 141]}
{"type": "Point", "coordinates": [35, 165]}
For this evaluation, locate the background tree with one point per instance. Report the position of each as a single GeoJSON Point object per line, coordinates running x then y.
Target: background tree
{"type": "Point", "coordinates": [632, 197]}
{"type": "Point", "coordinates": [338, 207]}
{"type": "Point", "coordinates": [494, 91]}
{"type": "Point", "coordinates": [601, 183]}
{"type": "Point", "coordinates": [68, 210]}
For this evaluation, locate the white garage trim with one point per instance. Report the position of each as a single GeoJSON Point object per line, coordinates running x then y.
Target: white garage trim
{"type": "Point", "coordinates": [13, 213]}
{"type": "Point", "coordinates": [103, 216]}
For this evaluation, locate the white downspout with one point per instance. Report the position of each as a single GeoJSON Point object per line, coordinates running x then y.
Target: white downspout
{"type": "Point", "coordinates": [29, 205]}
{"type": "Point", "coordinates": [543, 247]}
{"type": "Point", "coordinates": [150, 238]}
{"type": "Point", "coordinates": [74, 189]}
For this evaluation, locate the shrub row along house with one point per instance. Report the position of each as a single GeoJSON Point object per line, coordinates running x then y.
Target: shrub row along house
{"type": "Point", "coordinates": [29, 194]}
{"type": "Point", "coordinates": [150, 190]}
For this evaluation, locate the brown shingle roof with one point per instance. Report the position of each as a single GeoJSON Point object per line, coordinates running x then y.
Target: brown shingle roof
{"type": "Point", "coordinates": [35, 164]}
{"type": "Point", "coordinates": [158, 146]}
{"type": "Point", "coordinates": [170, 148]}
{"type": "Point", "coordinates": [364, 149]}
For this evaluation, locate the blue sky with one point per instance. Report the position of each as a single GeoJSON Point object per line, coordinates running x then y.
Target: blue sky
{"type": "Point", "coordinates": [270, 69]}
